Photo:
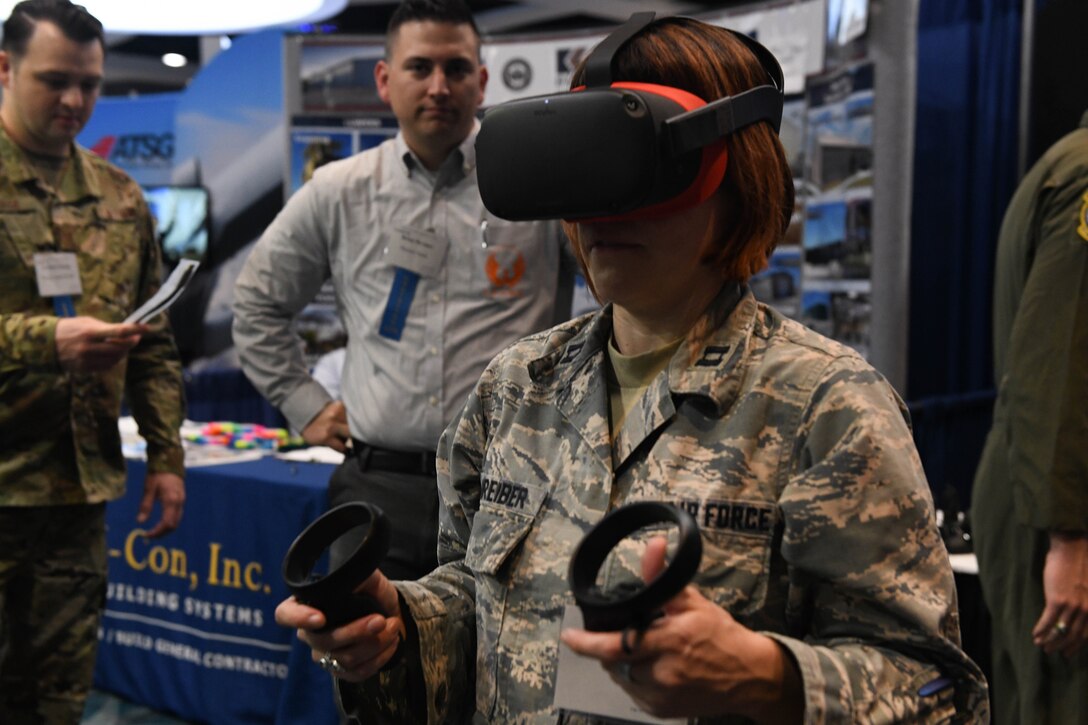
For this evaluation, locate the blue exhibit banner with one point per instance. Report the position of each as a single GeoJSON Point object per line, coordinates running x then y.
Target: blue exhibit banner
{"type": "Point", "coordinates": [135, 134]}
{"type": "Point", "coordinates": [189, 626]}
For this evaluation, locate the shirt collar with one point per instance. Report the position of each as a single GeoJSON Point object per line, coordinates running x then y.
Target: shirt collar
{"type": "Point", "coordinates": [81, 183]}
{"type": "Point", "coordinates": [715, 374]}
{"type": "Point", "coordinates": [465, 153]}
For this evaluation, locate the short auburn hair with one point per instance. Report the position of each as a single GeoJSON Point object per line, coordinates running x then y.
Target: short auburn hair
{"type": "Point", "coordinates": [757, 191]}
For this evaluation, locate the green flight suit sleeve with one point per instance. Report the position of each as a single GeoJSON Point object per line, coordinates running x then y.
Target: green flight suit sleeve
{"type": "Point", "coordinates": [1046, 382]}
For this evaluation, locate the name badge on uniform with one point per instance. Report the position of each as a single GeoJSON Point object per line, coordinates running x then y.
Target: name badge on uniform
{"type": "Point", "coordinates": [58, 277]}
{"type": "Point", "coordinates": [414, 253]}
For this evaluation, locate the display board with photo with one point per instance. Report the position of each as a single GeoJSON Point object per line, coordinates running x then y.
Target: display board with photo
{"type": "Point", "coordinates": [836, 238]}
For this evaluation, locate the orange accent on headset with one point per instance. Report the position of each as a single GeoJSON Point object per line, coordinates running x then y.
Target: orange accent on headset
{"type": "Point", "coordinates": [711, 170]}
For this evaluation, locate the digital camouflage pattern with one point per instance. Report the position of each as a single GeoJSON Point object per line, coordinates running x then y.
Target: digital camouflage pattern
{"type": "Point", "coordinates": [795, 458]}
{"type": "Point", "coordinates": [59, 442]}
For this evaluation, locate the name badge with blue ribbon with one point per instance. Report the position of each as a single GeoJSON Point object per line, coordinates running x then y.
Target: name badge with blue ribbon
{"type": "Point", "coordinates": [58, 277]}
{"type": "Point", "coordinates": [414, 253]}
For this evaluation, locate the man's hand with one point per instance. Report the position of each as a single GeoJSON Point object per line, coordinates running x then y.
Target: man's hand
{"type": "Point", "coordinates": [329, 428]}
{"type": "Point", "coordinates": [361, 647]}
{"type": "Point", "coordinates": [86, 345]}
{"type": "Point", "coordinates": [169, 490]}
{"type": "Point", "coordinates": [1063, 625]}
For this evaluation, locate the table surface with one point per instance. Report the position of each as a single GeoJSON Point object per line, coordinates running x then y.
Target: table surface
{"type": "Point", "coordinates": [189, 622]}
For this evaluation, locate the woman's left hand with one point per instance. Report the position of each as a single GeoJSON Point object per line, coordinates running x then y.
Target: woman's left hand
{"type": "Point", "coordinates": [696, 660]}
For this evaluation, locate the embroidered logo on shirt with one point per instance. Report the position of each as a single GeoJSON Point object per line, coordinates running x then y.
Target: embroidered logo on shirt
{"type": "Point", "coordinates": [1082, 228]}
{"type": "Point", "coordinates": [505, 267]}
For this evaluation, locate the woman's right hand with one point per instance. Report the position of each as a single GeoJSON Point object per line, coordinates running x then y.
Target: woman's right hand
{"type": "Point", "coordinates": [361, 647]}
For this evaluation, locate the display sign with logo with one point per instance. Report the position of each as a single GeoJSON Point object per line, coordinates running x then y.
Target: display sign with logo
{"type": "Point", "coordinates": [135, 134]}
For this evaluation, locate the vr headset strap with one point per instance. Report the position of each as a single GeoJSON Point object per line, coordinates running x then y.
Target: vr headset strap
{"type": "Point", "coordinates": [703, 126]}
{"type": "Point", "coordinates": [599, 62]}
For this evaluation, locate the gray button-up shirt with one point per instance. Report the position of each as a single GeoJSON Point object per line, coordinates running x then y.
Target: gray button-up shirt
{"type": "Point", "coordinates": [497, 283]}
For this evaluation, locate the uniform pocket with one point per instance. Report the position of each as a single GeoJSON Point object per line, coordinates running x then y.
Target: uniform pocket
{"type": "Point", "coordinates": [506, 516]}
{"type": "Point", "coordinates": [734, 572]}
{"type": "Point", "coordinates": [21, 235]}
{"type": "Point", "coordinates": [111, 268]}
{"type": "Point", "coordinates": [498, 529]}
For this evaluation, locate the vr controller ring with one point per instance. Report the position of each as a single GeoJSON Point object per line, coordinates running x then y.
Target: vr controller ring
{"type": "Point", "coordinates": [603, 613]}
{"type": "Point", "coordinates": [333, 593]}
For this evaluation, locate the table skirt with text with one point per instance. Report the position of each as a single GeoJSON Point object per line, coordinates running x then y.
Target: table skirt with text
{"type": "Point", "coordinates": [189, 622]}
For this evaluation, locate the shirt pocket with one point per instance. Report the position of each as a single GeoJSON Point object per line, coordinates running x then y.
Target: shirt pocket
{"type": "Point", "coordinates": [507, 512]}
{"type": "Point", "coordinates": [110, 261]}
{"type": "Point", "coordinates": [498, 532]}
{"type": "Point", "coordinates": [735, 571]}
{"type": "Point", "coordinates": [21, 235]}
{"type": "Point", "coordinates": [508, 260]}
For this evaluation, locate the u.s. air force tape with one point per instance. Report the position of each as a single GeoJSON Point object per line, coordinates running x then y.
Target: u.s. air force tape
{"type": "Point", "coordinates": [334, 593]}
{"type": "Point", "coordinates": [602, 612]}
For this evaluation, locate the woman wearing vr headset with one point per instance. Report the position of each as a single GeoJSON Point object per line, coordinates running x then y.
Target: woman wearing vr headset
{"type": "Point", "coordinates": [824, 592]}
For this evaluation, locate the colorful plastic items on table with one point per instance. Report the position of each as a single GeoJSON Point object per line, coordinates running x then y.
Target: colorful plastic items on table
{"type": "Point", "coordinates": [243, 436]}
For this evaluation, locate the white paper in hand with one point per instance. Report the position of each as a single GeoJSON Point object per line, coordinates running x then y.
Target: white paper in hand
{"type": "Point", "coordinates": [168, 294]}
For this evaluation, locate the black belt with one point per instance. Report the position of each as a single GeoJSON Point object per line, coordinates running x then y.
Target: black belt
{"type": "Point", "coordinates": [386, 459]}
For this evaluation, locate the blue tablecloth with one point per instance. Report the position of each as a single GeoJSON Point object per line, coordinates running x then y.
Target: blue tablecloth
{"type": "Point", "coordinates": [189, 623]}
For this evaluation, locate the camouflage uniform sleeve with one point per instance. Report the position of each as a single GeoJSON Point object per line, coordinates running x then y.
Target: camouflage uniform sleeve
{"type": "Point", "coordinates": [442, 605]}
{"type": "Point", "coordinates": [153, 381]}
{"type": "Point", "coordinates": [871, 586]}
{"type": "Point", "coordinates": [28, 340]}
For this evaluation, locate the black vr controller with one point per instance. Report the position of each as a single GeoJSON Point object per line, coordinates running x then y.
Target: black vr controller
{"type": "Point", "coordinates": [334, 593]}
{"type": "Point", "coordinates": [602, 612]}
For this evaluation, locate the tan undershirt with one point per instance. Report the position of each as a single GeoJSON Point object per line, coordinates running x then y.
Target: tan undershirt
{"type": "Point", "coordinates": [628, 376]}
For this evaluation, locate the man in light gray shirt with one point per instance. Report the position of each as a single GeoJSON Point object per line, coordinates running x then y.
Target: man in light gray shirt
{"type": "Point", "coordinates": [429, 285]}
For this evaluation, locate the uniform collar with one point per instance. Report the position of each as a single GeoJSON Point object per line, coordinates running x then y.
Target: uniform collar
{"type": "Point", "coordinates": [716, 373]}
{"type": "Point", "coordinates": [81, 180]}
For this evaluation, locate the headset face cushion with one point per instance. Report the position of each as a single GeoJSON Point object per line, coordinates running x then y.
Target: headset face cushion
{"type": "Point", "coordinates": [590, 153]}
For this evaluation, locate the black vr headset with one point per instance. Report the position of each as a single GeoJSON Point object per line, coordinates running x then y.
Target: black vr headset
{"type": "Point", "coordinates": [615, 150]}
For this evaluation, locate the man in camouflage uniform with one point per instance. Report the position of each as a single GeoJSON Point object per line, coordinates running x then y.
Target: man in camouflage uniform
{"type": "Point", "coordinates": [64, 363]}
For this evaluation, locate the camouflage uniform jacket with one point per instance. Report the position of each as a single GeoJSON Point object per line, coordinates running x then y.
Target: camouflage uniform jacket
{"type": "Point", "coordinates": [795, 457]}
{"type": "Point", "coordinates": [59, 442]}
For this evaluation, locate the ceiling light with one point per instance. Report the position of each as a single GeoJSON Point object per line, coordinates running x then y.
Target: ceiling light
{"type": "Point", "coordinates": [174, 60]}
{"type": "Point", "coordinates": [202, 17]}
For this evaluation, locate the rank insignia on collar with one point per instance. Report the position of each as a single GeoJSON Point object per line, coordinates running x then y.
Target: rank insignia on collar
{"type": "Point", "coordinates": [1082, 217]}
{"type": "Point", "coordinates": [713, 356]}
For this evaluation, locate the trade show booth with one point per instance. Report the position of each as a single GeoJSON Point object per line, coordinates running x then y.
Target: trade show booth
{"type": "Point", "coordinates": [901, 125]}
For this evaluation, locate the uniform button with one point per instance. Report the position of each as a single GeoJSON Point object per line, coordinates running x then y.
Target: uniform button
{"type": "Point", "coordinates": [434, 350]}
{"type": "Point", "coordinates": [433, 400]}
{"type": "Point", "coordinates": [436, 297]}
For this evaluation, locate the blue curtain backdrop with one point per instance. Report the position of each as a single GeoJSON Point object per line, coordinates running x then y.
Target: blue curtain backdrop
{"type": "Point", "coordinates": [965, 170]}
